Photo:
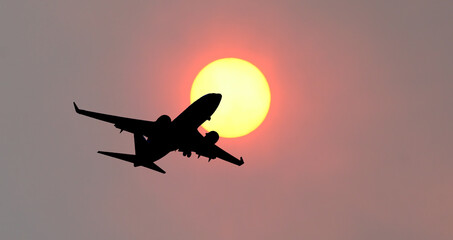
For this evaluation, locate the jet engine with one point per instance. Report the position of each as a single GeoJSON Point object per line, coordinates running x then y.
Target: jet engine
{"type": "Point", "coordinates": [212, 137]}
{"type": "Point", "coordinates": [164, 121]}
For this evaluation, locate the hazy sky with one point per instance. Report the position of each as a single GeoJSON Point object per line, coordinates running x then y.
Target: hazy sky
{"type": "Point", "coordinates": [357, 143]}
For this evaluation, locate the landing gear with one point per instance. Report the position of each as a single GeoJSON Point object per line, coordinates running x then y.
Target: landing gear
{"type": "Point", "coordinates": [188, 154]}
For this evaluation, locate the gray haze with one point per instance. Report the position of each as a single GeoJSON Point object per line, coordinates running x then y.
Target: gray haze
{"type": "Point", "coordinates": [357, 144]}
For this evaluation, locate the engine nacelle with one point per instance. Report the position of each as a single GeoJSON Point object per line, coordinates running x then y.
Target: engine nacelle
{"type": "Point", "coordinates": [164, 121]}
{"type": "Point", "coordinates": [212, 137]}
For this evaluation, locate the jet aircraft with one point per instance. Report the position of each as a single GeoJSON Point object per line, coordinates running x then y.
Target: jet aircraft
{"type": "Point", "coordinates": [154, 140]}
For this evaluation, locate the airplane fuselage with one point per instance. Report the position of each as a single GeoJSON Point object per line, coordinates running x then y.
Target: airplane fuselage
{"type": "Point", "coordinates": [179, 134]}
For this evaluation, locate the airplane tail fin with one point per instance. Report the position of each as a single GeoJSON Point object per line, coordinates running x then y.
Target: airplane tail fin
{"type": "Point", "coordinates": [133, 159]}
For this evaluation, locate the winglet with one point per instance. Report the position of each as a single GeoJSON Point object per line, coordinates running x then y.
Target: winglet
{"type": "Point", "coordinates": [241, 162]}
{"type": "Point", "coordinates": [76, 108]}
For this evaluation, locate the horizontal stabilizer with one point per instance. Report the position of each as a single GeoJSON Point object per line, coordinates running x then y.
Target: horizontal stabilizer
{"type": "Point", "coordinates": [133, 159]}
{"type": "Point", "coordinates": [126, 157]}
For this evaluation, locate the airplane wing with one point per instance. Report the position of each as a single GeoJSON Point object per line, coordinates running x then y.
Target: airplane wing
{"type": "Point", "coordinates": [214, 151]}
{"type": "Point", "coordinates": [126, 124]}
{"type": "Point", "coordinates": [222, 154]}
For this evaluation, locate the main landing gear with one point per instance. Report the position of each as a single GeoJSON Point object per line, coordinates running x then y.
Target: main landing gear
{"type": "Point", "coordinates": [187, 153]}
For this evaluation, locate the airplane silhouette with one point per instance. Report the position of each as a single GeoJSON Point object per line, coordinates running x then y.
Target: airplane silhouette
{"type": "Point", "coordinates": [154, 140]}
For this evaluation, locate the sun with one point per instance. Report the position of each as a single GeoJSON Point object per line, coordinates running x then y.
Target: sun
{"type": "Point", "coordinates": [246, 96]}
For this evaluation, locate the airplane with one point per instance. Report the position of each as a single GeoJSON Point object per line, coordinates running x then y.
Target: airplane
{"type": "Point", "coordinates": [154, 140]}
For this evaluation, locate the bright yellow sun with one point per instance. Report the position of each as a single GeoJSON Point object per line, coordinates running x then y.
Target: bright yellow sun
{"type": "Point", "coordinates": [246, 96]}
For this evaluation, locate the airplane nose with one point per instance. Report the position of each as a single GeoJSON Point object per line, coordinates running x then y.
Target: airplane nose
{"type": "Point", "coordinates": [212, 99]}
{"type": "Point", "coordinates": [218, 97]}
{"type": "Point", "coordinates": [215, 101]}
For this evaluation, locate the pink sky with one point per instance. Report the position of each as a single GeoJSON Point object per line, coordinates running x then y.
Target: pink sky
{"type": "Point", "coordinates": [356, 145]}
